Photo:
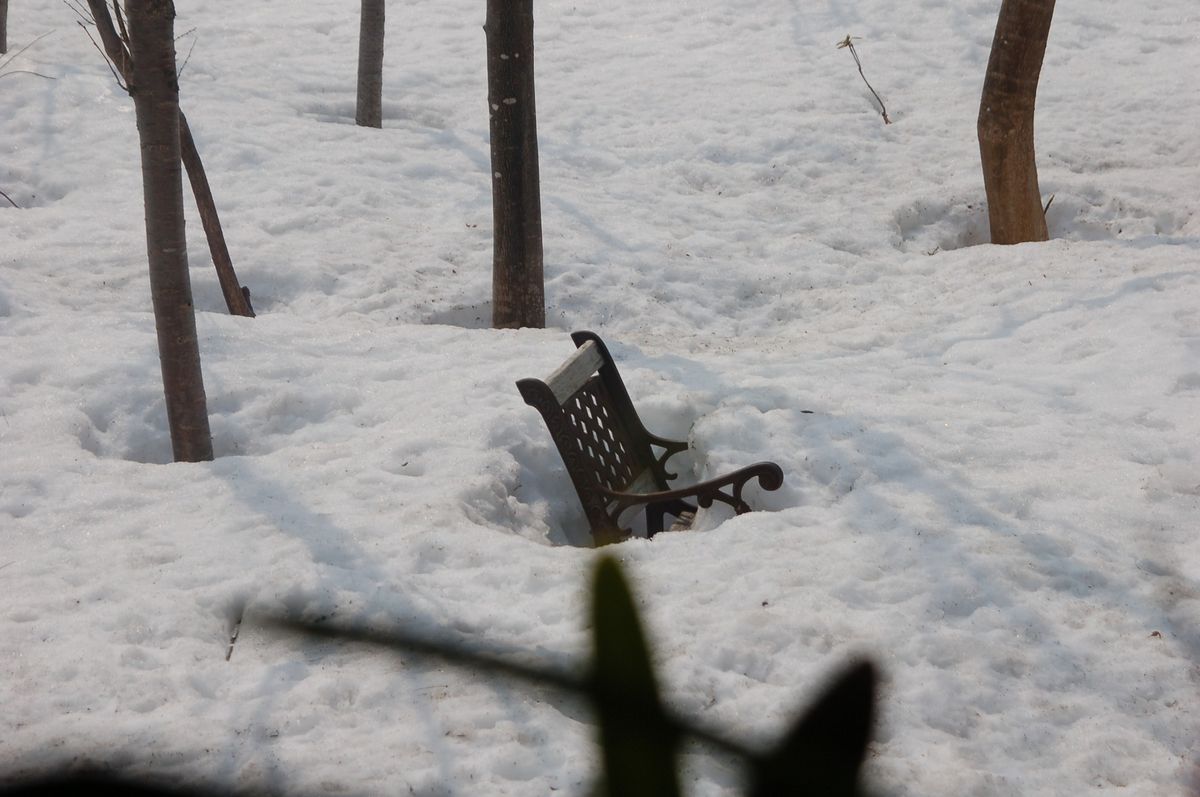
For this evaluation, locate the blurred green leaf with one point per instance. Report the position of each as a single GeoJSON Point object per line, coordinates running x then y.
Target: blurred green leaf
{"type": "Point", "coordinates": [639, 744]}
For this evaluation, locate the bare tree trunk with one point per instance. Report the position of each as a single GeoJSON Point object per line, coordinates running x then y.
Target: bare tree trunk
{"type": "Point", "coordinates": [155, 91]}
{"type": "Point", "coordinates": [237, 297]}
{"type": "Point", "coordinates": [1005, 125]}
{"type": "Point", "coordinates": [518, 288]}
{"type": "Point", "coordinates": [369, 112]}
{"type": "Point", "coordinates": [3, 26]}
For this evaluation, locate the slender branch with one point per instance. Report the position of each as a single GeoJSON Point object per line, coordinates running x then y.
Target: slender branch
{"type": "Point", "coordinates": [183, 66]}
{"type": "Point", "coordinates": [846, 43]}
{"type": "Point", "coordinates": [107, 61]}
{"type": "Point", "coordinates": [18, 207]}
{"type": "Point", "coordinates": [26, 72]}
{"type": "Point", "coordinates": [10, 58]}
{"type": "Point", "coordinates": [120, 22]}
{"type": "Point", "coordinates": [80, 11]}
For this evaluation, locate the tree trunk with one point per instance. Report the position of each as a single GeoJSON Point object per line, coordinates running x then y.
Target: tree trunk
{"type": "Point", "coordinates": [369, 112]}
{"type": "Point", "coordinates": [155, 91]}
{"type": "Point", "coordinates": [1006, 122]}
{"type": "Point", "coordinates": [3, 26]}
{"type": "Point", "coordinates": [237, 297]}
{"type": "Point", "coordinates": [518, 290]}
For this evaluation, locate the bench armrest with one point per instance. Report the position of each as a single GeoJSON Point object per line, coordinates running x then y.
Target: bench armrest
{"type": "Point", "coordinates": [769, 475]}
{"type": "Point", "coordinates": [670, 449]}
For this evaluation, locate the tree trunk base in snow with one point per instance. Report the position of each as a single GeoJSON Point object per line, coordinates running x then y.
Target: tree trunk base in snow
{"type": "Point", "coordinates": [1005, 124]}
{"type": "Point", "coordinates": [1010, 180]}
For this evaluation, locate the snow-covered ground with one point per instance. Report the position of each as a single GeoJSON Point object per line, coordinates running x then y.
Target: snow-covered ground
{"type": "Point", "coordinates": [994, 493]}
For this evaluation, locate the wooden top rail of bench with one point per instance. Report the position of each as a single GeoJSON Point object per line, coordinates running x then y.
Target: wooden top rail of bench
{"type": "Point", "coordinates": [571, 375]}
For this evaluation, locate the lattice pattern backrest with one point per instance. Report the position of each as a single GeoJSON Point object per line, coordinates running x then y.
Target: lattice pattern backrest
{"type": "Point", "coordinates": [605, 447]}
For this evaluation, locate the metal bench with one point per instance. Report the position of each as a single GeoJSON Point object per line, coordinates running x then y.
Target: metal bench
{"type": "Point", "coordinates": [615, 464]}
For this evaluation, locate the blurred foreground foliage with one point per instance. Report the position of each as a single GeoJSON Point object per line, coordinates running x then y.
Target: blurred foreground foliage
{"type": "Point", "coordinates": [820, 753]}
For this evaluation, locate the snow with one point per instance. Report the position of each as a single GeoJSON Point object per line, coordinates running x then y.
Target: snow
{"type": "Point", "coordinates": [991, 456]}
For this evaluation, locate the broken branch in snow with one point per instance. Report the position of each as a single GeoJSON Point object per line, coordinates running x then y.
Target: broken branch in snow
{"type": "Point", "coordinates": [233, 637]}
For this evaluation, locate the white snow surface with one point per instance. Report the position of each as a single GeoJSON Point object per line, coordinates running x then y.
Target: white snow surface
{"type": "Point", "coordinates": [991, 454]}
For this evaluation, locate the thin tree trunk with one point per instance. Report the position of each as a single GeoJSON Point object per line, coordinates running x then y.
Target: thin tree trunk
{"type": "Point", "coordinates": [3, 26]}
{"type": "Point", "coordinates": [369, 112]}
{"type": "Point", "coordinates": [518, 289]}
{"type": "Point", "coordinates": [237, 297]}
{"type": "Point", "coordinates": [1005, 124]}
{"type": "Point", "coordinates": [155, 91]}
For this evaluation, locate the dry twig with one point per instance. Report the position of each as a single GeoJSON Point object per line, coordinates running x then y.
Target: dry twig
{"type": "Point", "coordinates": [79, 10]}
{"type": "Point", "coordinates": [183, 66]}
{"type": "Point", "coordinates": [12, 57]}
{"type": "Point", "coordinates": [847, 44]}
{"type": "Point", "coordinates": [104, 55]}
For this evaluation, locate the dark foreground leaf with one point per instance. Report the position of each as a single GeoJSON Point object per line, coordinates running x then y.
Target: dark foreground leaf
{"type": "Point", "coordinates": [823, 752]}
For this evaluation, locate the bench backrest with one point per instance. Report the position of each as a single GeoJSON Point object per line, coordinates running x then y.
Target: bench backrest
{"type": "Point", "coordinates": [595, 427]}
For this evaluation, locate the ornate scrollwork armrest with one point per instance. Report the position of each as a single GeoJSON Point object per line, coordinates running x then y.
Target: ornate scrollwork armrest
{"type": "Point", "coordinates": [670, 449]}
{"type": "Point", "coordinates": [769, 475]}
